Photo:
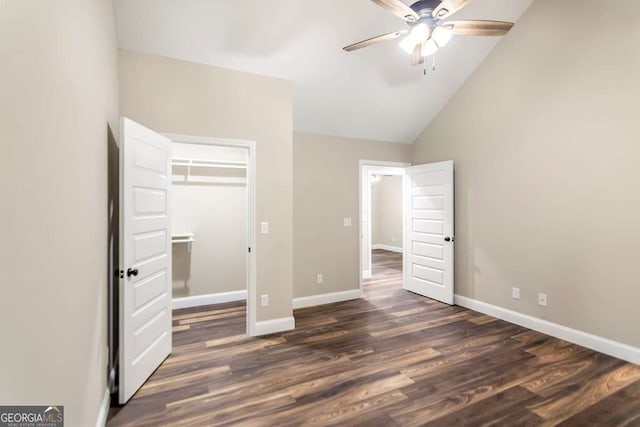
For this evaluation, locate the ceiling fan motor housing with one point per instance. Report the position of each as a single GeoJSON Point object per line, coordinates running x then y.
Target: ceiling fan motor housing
{"type": "Point", "coordinates": [424, 9]}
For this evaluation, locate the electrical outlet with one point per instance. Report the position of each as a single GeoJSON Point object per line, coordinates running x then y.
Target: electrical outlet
{"type": "Point", "coordinates": [542, 299]}
{"type": "Point", "coordinates": [393, 238]}
{"type": "Point", "coordinates": [319, 279]}
{"type": "Point", "coordinates": [264, 300]}
{"type": "Point", "coordinates": [347, 222]}
{"type": "Point", "coordinates": [264, 227]}
{"type": "Point", "coordinates": [515, 293]}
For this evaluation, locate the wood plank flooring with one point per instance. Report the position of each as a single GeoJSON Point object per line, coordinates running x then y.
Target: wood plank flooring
{"type": "Point", "coordinates": [392, 358]}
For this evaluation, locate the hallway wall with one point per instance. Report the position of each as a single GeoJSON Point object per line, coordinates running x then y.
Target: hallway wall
{"type": "Point", "coordinates": [386, 212]}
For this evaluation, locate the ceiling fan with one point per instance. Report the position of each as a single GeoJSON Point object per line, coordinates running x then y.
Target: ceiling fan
{"type": "Point", "coordinates": [427, 31]}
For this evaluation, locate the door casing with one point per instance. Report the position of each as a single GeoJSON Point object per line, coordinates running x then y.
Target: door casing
{"type": "Point", "coordinates": [251, 213]}
{"type": "Point", "coordinates": [364, 225]}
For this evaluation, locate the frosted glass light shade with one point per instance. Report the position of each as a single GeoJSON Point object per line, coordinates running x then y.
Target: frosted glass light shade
{"type": "Point", "coordinates": [420, 32]}
{"type": "Point", "coordinates": [407, 44]}
{"type": "Point", "coordinates": [429, 48]}
{"type": "Point", "coordinates": [442, 35]}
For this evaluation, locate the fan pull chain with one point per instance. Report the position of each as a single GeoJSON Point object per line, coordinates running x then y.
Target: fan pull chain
{"type": "Point", "coordinates": [424, 64]}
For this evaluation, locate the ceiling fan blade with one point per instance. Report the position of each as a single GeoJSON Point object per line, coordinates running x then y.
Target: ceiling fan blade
{"type": "Point", "coordinates": [480, 28]}
{"type": "Point", "coordinates": [416, 56]}
{"type": "Point", "coordinates": [447, 8]}
{"type": "Point", "coordinates": [374, 40]}
{"type": "Point", "coordinates": [399, 9]}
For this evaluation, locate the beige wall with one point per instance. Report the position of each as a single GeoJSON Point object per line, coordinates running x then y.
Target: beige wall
{"type": "Point", "coordinates": [326, 183]}
{"type": "Point", "coordinates": [212, 204]}
{"type": "Point", "coordinates": [58, 93]}
{"type": "Point", "coordinates": [386, 211]}
{"type": "Point", "coordinates": [545, 142]}
{"type": "Point", "coordinates": [174, 96]}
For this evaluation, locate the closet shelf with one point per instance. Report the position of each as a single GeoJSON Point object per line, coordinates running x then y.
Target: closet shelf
{"type": "Point", "coordinates": [200, 163]}
{"type": "Point", "coordinates": [183, 238]}
{"type": "Point", "coordinates": [187, 238]}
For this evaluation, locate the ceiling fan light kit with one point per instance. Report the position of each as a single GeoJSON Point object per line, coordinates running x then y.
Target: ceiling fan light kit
{"type": "Point", "coordinates": [429, 48]}
{"type": "Point", "coordinates": [442, 34]}
{"type": "Point", "coordinates": [420, 32]}
{"type": "Point", "coordinates": [426, 34]}
{"type": "Point", "coordinates": [407, 44]}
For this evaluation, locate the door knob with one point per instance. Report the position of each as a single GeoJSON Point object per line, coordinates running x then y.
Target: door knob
{"type": "Point", "coordinates": [132, 272]}
{"type": "Point", "coordinates": [447, 239]}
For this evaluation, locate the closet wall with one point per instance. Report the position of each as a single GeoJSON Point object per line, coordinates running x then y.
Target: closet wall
{"type": "Point", "coordinates": [175, 96]}
{"type": "Point", "coordinates": [211, 203]}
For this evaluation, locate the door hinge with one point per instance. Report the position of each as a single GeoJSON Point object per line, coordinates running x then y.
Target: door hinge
{"type": "Point", "coordinates": [249, 249]}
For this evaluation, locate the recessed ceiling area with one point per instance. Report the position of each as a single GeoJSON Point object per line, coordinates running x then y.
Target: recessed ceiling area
{"type": "Point", "coordinates": [372, 93]}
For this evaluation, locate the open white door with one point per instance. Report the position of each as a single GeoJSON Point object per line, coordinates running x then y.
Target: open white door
{"type": "Point", "coordinates": [428, 248]}
{"type": "Point", "coordinates": [145, 253]}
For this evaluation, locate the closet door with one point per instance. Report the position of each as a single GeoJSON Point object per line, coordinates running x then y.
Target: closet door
{"type": "Point", "coordinates": [145, 253]}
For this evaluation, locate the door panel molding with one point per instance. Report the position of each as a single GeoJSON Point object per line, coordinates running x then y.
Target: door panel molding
{"type": "Point", "coordinates": [145, 255]}
{"type": "Point", "coordinates": [429, 231]}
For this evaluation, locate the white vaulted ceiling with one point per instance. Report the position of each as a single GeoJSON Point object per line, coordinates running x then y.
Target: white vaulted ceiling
{"type": "Point", "coordinates": [373, 93]}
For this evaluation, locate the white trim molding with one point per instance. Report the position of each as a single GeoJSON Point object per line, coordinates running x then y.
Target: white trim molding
{"type": "Point", "coordinates": [386, 247]}
{"type": "Point", "coordinates": [219, 298]}
{"type": "Point", "coordinates": [366, 274]}
{"type": "Point", "coordinates": [329, 298]}
{"type": "Point", "coordinates": [104, 409]}
{"type": "Point", "coordinates": [266, 327]}
{"type": "Point", "coordinates": [593, 342]}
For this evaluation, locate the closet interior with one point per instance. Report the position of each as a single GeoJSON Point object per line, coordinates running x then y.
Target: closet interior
{"type": "Point", "coordinates": [209, 204]}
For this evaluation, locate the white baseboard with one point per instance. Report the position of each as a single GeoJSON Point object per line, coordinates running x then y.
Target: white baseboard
{"type": "Point", "coordinates": [198, 300]}
{"type": "Point", "coordinates": [386, 247]}
{"type": "Point", "coordinates": [273, 326]}
{"type": "Point", "coordinates": [104, 409]}
{"type": "Point", "coordinates": [366, 274]}
{"type": "Point", "coordinates": [329, 298]}
{"type": "Point", "coordinates": [593, 342]}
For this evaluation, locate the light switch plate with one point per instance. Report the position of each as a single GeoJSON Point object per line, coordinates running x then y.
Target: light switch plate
{"type": "Point", "coordinates": [319, 279]}
{"type": "Point", "coordinates": [347, 222]}
{"type": "Point", "coordinates": [264, 227]}
{"type": "Point", "coordinates": [264, 300]}
{"type": "Point", "coordinates": [515, 293]}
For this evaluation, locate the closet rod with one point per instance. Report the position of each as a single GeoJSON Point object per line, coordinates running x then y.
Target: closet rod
{"type": "Point", "coordinates": [209, 163]}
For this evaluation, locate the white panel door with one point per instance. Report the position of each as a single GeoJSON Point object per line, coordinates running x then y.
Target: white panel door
{"type": "Point", "coordinates": [428, 249]}
{"type": "Point", "coordinates": [145, 253]}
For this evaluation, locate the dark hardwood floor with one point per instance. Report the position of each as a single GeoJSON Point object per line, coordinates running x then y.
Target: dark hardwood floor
{"type": "Point", "coordinates": [392, 358]}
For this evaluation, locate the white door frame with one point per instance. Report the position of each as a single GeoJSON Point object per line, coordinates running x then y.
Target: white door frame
{"type": "Point", "coordinates": [251, 212]}
{"type": "Point", "coordinates": [380, 166]}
